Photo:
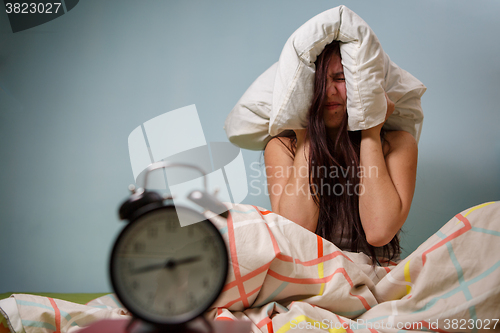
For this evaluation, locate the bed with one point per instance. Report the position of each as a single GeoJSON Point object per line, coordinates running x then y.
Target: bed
{"type": "Point", "coordinates": [284, 278]}
{"type": "Point", "coordinates": [77, 298]}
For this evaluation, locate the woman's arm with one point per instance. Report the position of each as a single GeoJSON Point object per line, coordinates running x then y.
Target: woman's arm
{"type": "Point", "coordinates": [388, 182]}
{"type": "Point", "coordinates": [288, 181]}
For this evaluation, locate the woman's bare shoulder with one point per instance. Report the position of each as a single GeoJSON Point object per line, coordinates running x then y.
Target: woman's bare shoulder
{"type": "Point", "coordinates": [279, 144]}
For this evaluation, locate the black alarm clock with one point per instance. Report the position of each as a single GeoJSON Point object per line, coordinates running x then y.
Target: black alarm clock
{"type": "Point", "coordinates": [166, 274]}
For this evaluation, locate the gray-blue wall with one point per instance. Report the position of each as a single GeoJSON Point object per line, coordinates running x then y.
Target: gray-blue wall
{"type": "Point", "coordinates": [73, 89]}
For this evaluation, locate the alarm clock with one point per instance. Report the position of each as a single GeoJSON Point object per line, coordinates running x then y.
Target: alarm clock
{"type": "Point", "coordinates": [166, 274]}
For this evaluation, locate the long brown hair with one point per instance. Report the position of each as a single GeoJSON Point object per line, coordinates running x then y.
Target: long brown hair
{"type": "Point", "coordinates": [338, 212]}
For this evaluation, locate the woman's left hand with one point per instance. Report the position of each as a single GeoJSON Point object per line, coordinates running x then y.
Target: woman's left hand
{"type": "Point", "coordinates": [390, 106]}
{"type": "Point", "coordinates": [390, 109]}
{"type": "Point", "coordinates": [388, 192]}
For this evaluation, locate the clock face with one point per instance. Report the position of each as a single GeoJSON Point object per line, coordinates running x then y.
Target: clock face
{"type": "Point", "coordinates": [167, 274]}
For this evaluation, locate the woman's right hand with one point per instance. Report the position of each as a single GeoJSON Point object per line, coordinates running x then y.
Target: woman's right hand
{"type": "Point", "coordinates": [301, 135]}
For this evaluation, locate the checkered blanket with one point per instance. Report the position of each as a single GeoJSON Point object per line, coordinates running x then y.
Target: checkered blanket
{"type": "Point", "coordinates": [284, 278]}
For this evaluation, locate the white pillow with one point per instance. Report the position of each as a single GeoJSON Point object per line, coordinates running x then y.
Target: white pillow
{"type": "Point", "coordinates": [368, 71]}
{"type": "Point", "coordinates": [247, 126]}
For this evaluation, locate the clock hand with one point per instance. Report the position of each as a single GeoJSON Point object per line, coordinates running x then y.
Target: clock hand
{"type": "Point", "coordinates": [170, 264]}
{"type": "Point", "coordinates": [148, 268]}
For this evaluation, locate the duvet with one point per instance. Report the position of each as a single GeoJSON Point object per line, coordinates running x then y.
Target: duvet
{"type": "Point", "coordinates": [283, 278]}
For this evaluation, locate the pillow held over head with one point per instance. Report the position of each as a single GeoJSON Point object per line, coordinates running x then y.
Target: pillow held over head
{"type": "Point", "coordinates": [280, 98]}
{"type": "Point", "coordinates": [247, 126]}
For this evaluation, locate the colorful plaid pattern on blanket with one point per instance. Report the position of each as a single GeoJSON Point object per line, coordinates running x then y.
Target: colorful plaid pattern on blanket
{"type": "Point", "coordinates": [25, 313]}
{"type": "Point", "coordinates": [284, 278]}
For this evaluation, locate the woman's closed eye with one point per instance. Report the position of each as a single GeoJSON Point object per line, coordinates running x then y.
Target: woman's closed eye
{"type": "Point", "coordinates": [337, 78]}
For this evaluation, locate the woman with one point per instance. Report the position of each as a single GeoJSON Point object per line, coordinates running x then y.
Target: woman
{"type": "Point", "coordinates": [352, 188]}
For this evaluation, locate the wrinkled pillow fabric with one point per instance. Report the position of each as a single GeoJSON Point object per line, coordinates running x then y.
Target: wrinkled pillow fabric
{"type": "Point", "coordinates": [283, 102]}
{"type": "Point", "coordinates": [247, 126]}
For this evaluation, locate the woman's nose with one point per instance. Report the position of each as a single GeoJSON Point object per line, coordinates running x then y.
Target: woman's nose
{"type": "Point", "coordinates": [332, 89]}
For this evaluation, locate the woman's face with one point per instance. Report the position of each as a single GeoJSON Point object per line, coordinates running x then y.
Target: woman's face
{"type": "Point", "coordinates": [336, 96]}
